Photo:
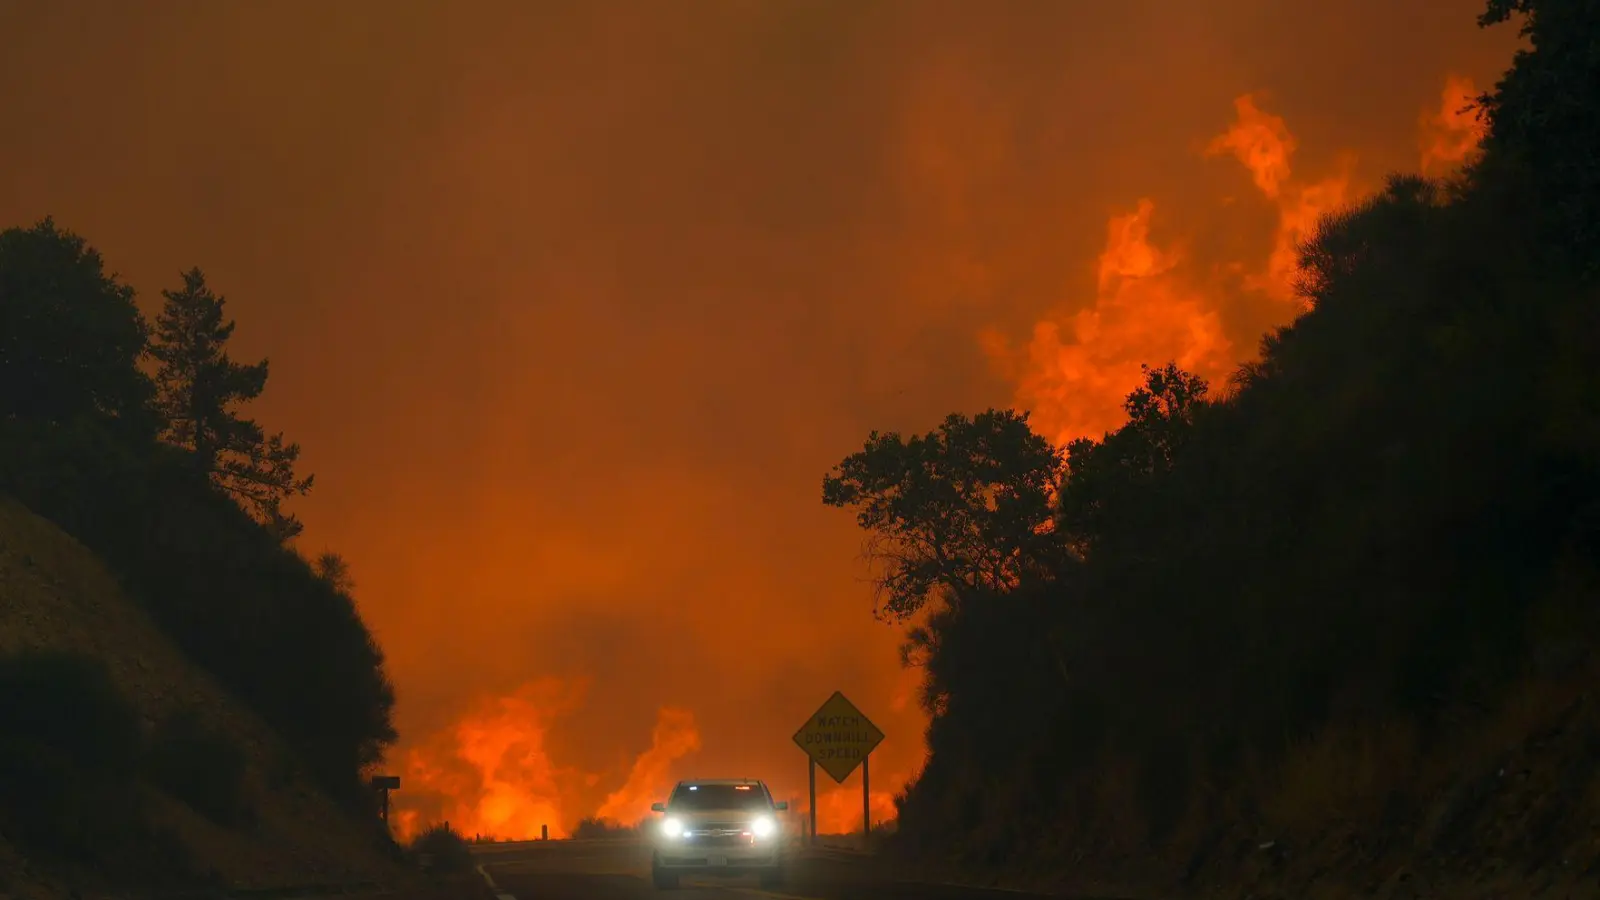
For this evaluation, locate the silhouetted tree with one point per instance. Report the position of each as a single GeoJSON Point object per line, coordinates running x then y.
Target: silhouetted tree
{"type": "Point", "coordinates": [332, 568]}
{"type": "Point", "coordinates": [199, 387]}
{"type": "Point", "coordinates": [951, 516]}
{"type": "Point", "coordinates": [964, 508]}
{"type": "Point", "coordinates": [1544, 124]}
{"type": "Point", "coordinates": [80, 444]}
{"type": "Point", "coordinates": [1387, 527]}
{"type": "Point", "coordinates": [70, 334]}
{"type": "Point", "coordinates": [1101, 474]}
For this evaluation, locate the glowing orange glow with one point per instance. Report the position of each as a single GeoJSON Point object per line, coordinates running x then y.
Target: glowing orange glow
{"type": "Point", "coordinates": [1263, 143]}
{"type": "Point", "coordinates": [1298, 216]}
{"type": "Point", "coordinates": [405, 823]}
{"type": "Point", "coordinates": [571, 311]}
{"type": "Point", "coordinates": [491, 773]}
{"type": "Point", "coordinates": [1079, 370]}
{"type": "Point", "coordinates": [1150, 304]}
{"type": "Point", "coordinates": [675, 736]}
{"type": "Point", "coordinates": [1450, 132]}
{"type": "Point", "coordinates": [839, 808]}
{"type": "Point", "coordinates": [908, 689]}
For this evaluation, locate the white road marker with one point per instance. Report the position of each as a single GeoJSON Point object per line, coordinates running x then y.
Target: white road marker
{"type": "Point", "coordinates": [489, 879]}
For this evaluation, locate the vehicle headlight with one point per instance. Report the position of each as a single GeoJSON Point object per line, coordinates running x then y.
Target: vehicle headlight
{"type": "Point", "coordinates": [763, 827]}
{"type": "Point", "coordinates": [672, 827]}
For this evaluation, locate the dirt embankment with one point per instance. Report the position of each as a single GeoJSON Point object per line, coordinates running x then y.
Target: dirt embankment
{"type": "Point", "coordinates": [1509, 810]}
{"type": "Point", "coordinates": [1506, 806]}
{"type": "Point", "coordinates": [56, 596]}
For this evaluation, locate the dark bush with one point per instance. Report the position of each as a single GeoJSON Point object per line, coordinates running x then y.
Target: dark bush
{"type": "Point", "coordinates": [592, 829]}
{"type": "Point", "coordinates": [177, 546]}
{"type": "Point", "coordinates": [201, 766]}
{"type": "Point", "coordinates": [441, 849]}
{"type": "Point", "coordinates": [69, 754]}
{"type": "Point", "coordinates": [86, 441]}
{"type": "Point", "coordinates": [1262, 606]}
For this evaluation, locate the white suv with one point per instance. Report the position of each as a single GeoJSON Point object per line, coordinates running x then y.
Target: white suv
{"type": "Point", "coordinates": [719, 826]}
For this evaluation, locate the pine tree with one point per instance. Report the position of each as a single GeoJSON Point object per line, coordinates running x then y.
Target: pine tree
{"type": "Point", "coordinates": [332, 568]}
{"type": "Point", "coordinates": [199, 385]}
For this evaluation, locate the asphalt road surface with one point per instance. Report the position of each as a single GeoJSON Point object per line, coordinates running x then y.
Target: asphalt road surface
{"type": "Point", "coordinates": [620, 870]}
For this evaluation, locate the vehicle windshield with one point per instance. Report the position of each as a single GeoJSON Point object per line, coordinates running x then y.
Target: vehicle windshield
{"type": "Point", "coordinates": [719, 796]}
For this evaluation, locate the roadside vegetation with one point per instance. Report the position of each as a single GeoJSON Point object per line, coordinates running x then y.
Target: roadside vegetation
{"type": "Point", "coordinates": [1324, 609]}
{"type": "Point", "coordinates": [202, 766]}
{"type": "Point", "coordinates": [439, 848]}
{"type": "Point", "coordinates": [130, 435]}
{"type": "Point", "coordinates": [70, 756]}
{"type": "Point", "coordinates": [600, 829]}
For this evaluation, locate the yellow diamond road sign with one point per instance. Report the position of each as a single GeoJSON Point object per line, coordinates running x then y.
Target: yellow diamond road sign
{"type": "Point", "coordinates": [838, 737]}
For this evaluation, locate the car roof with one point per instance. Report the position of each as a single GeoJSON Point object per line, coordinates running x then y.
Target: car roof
{"type": "Point", "coordinates": [708, 781]}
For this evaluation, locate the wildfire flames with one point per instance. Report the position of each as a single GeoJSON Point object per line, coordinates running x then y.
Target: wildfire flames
{"type": "Point", "coordinates": [1079, 367]}
{"type": "Point", "coordinates": [1451, 132]}
{"type": "Point", "coordinates": [491, 774]}
{"type": "Point", "coordinates": [675, 736]}
{"type": "Point", "coordinates": [1152, 304]}
{"type": "Point", "coordinates": [839, 808]}
{"type": "Point", "coordinates": [1263, 144]}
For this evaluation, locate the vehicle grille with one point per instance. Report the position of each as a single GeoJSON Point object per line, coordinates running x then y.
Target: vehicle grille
{"type": "Point", "coordinates": [720, 834]}
{"type": "Point", "coordinates": [715, 827]}
{"type": "Point", "coordinates": [720, 840]}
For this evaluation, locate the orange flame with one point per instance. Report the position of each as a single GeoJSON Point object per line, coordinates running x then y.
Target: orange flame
{"type": "Point", "coordinates": [1450, 133]}
{"type": "Point", "coordinates": [490, 774]}
{"type": "Point", "coordinates": [1263, 143]}
{"type": "Point", "coordinates": [839, 808]}
{"type": "Point", "coordinates": [1080, 365]}
{"type": "Point", "coordinates": [406, 823]}
{"type": "Point", "coordinates": [1079, 370]}
{"type": "Point", "coordinates": [675, 736]}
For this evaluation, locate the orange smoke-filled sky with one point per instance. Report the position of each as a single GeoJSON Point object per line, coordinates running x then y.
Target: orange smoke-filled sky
{"type": "Point", "coordinates": [571, 304]}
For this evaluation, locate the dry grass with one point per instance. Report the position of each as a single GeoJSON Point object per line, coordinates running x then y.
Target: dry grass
{"type": "Point", "coordinates": [1345, 774]}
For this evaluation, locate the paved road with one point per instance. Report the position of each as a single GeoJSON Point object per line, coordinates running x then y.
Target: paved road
{"type": "Point", "coordinates": [620, 870]}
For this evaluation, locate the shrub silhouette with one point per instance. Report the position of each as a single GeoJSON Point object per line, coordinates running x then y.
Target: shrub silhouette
{"type": "Point", "coordinates": [70, 746]}
{"type": "Point", "coordinates": [594, 828]}
{"type": "Point", "coordinates": [86, 444]}
{"type": "Point", "coordinates": [446, 851]}
{"type": "Point", "coordinates": [201, 766]}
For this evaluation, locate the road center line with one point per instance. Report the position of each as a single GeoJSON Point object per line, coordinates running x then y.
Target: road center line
{"type": "Point", "coordinates": [483, 870]}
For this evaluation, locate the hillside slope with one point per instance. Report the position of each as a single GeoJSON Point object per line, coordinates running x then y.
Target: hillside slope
{"type": "Point", "coordinates": [1506, 806]}
{"type": "Point", "coordinates": [56, 596]}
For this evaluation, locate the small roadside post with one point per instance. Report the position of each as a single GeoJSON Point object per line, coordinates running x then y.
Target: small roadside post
{"type": "Point", "coordinates": [839, 737]}
{"type": "Point", "coordinates": [383, 784]}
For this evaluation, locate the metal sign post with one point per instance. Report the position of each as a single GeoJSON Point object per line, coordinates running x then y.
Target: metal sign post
{"type": "Point", "coordinates": [839, 737]}
{"type": "Point", "coordinates": [811, 807]}
{"type": "Point", "coordinates": [866, 801]}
